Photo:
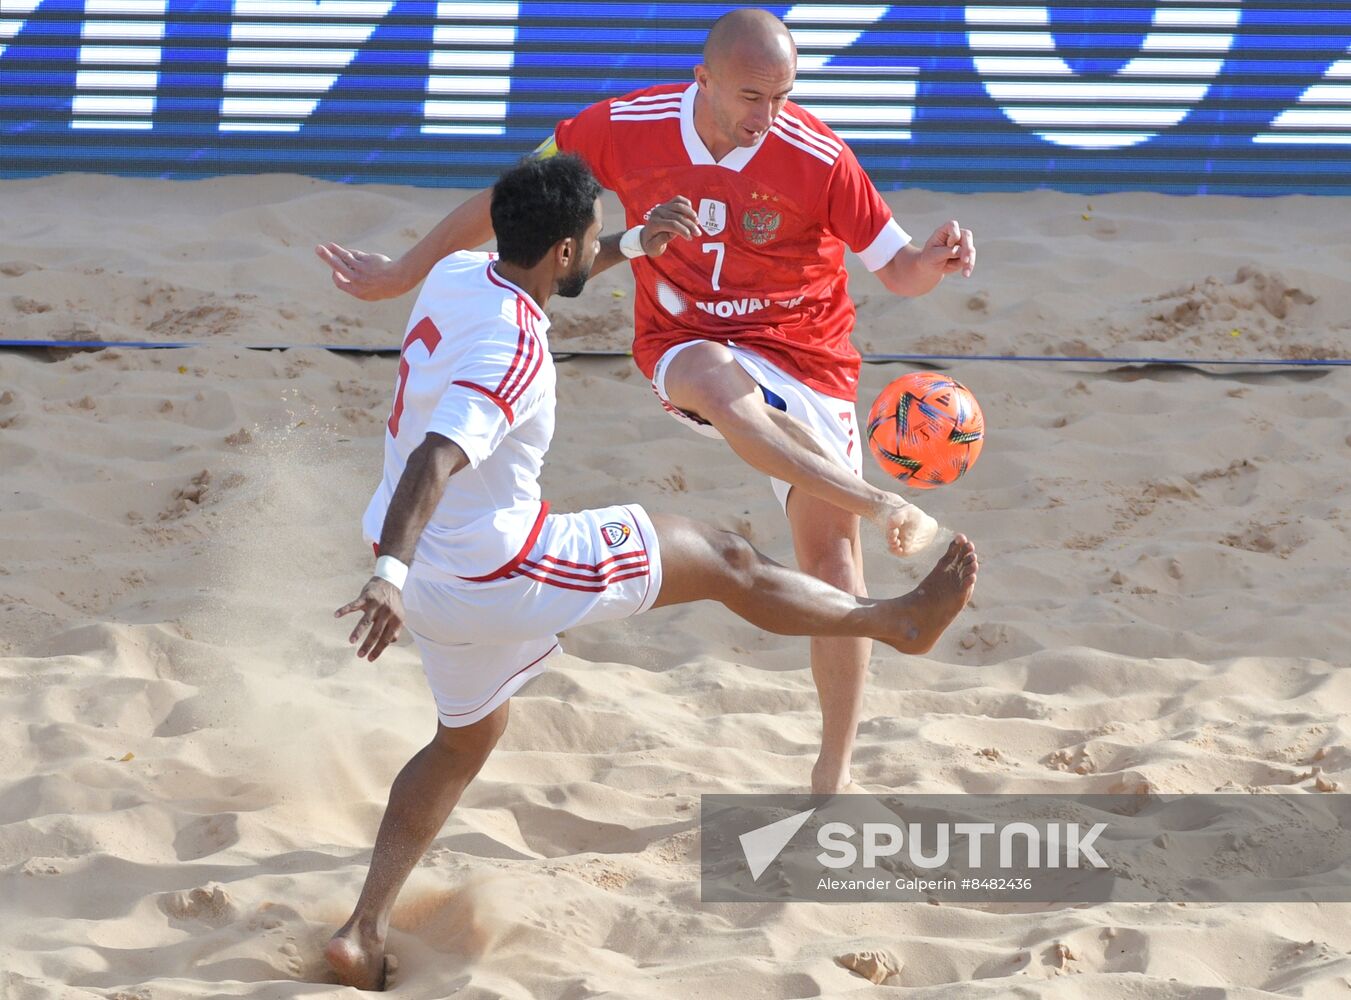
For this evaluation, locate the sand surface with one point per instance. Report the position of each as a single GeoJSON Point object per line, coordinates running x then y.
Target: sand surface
{"type": "Point", "coordinates": [193, 763]}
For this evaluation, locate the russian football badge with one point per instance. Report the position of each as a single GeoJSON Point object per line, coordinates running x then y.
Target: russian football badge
{"type": "Point", "coordinates": [759, 226]}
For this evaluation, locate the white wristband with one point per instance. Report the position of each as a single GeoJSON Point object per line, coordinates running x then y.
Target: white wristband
{"type": "Point", "coordinates": [631, 243]}
{"type": "Point", "coordinates": [390, 569]}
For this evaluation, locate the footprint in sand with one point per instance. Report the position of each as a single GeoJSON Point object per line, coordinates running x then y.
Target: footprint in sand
{"type": "Point", "coordinates": [206, 836]}
{"type": "Point", "coordinates": [293, 939]}
{"type": "Point", "coordinates": [294, 964]}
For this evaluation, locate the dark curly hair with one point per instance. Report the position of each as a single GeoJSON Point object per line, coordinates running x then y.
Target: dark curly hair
{"type": "Point", "coordinates": [539, 202]}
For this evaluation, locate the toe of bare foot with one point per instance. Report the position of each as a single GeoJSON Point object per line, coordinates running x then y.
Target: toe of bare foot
{"type": "Point", "coordinates": [951, 557]}
{"type": "Point", "coordinates": [965, 559]}
{"type": "Point", "coordinates": [953, 552]}
{"type": "Point", "coordinates": [960, 558]}
{"type": "Point", "coordinates": [932, 606]}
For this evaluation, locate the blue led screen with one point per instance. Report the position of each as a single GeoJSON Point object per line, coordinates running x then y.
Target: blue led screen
{"type": "Point", "coordinates": [1183, 96]}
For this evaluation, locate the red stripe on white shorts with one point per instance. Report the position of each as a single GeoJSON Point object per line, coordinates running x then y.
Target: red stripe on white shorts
{"type": "Point", "coordinates": [594, 587]}
{"type": "Point", "coordinates": [594, 567]}
{"type": "Point", "coordinates": [553, 573]}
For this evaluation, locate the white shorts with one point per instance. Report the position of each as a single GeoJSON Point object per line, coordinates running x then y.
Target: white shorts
{"type": "Point", "coordinates": [833, 421]}
{"type": "Point", "coordinates": [481, 641]}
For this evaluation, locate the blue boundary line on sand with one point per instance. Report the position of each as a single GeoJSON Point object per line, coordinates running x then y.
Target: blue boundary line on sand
{"type": "Point", "coordinates": [98, 345]}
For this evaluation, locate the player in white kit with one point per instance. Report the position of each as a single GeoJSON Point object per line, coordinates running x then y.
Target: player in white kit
{"type": "Point", "coordinates": [485, 576]}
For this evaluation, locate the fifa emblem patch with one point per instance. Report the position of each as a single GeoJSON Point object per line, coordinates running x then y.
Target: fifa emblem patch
{"type": "Point", "coordinates": [712, 216]}
{"type": "Point", "coordinates": [614, 533]}
{"type": "Point", "coordinates": [760, 225]}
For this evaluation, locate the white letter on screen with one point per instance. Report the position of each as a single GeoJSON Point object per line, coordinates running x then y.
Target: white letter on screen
{"type": "Point", "coordinates": [1014, 52]}
{"type": "Point", "coordinates": [13, 16]}
{"type": "Point", "coordinates": [1324, 114]}
{"type": "Point", "coordinates": [469, 83]}
{"type": "Point", "coordinates": [285, 55]}
{"type": "Point", "coordinates": [119, 55]}
{"type": "Point", "coordinates": [857, 102]}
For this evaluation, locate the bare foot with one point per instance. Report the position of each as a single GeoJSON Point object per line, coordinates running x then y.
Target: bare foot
{"type": "Point", "coordinates": [915, 621]}
{"type": "Point", "coordinates": [357, 958]}
{"type": "Point", "coordinates": [828, 779]}
{"type": "Point", "coordinates": [905, 528]}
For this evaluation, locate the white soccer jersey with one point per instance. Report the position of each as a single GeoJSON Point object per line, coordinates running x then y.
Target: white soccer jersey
{"type": "Point", "coordinates": [476, 369]}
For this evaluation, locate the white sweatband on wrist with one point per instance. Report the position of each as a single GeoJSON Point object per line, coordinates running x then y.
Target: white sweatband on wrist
{"type": "Point", "coordinates": [631, 243]}
{"type": "Point", "coordinates": [390, 569]}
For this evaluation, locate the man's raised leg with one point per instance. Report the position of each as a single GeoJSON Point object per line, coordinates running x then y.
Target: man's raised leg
{"type": "Point", "coordinates": [705, 379]}
{"type": "Point", "coordinates": [420, 800]}
{"type": "Point", "coordinates": [699, 562]}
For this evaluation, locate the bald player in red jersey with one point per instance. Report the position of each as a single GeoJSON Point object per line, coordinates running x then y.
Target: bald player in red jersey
{"type": "Point", "coordinates": [741, 207]}
{"type": "Point", "coordinates": [765, 269]}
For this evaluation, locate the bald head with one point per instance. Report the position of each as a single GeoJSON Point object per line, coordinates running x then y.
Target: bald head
{"type": "Point", "coordinates": [744, 80]}
{"type": "Point", "coordinates": [749, 35]}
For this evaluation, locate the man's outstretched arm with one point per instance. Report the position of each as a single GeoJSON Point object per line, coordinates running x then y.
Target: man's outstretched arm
{"type": "Point", "coordinates": [420, 489]}
{"type": "Point", "coordinates": [917, 270]}
{"type": "Point", "coordinates": [664, 223]}
{"type": "Point", "coordinates": [373, 276]}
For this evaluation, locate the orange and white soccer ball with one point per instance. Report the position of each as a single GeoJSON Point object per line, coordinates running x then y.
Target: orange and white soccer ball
{"type": "Point", "coordinates": [925, 429]}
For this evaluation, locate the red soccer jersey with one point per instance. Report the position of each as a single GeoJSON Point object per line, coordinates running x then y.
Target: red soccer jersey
{"type": "Point", "coordinates": [767, 273]}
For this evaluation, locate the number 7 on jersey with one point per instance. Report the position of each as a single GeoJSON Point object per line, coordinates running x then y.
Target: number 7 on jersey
{"type": "Point", "coordinates": [719, 249]}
